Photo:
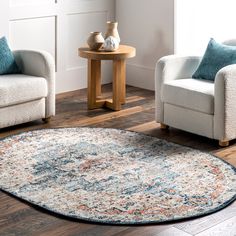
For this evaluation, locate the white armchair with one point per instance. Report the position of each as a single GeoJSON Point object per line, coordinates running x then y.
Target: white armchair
{"type": "Point", "coordinates": [31, 95]}
{"type": "Point", "coordinates": [202, 107]}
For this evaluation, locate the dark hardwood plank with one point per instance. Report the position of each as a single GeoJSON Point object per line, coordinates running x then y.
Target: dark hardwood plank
{"type": "Point", "coordinates": [26, 222]}
{"type": "Point", "coordinates": [138, 114]}
{"type": "Point", "coordinates": [7, 206]}
{"type": "Point", "coordinates": [68, 229]}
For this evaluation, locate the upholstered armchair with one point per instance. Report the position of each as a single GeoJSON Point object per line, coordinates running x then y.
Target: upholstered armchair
{"type": "Point", "coordinates": [31, 95]}
{"type": "Point", "coordinates": [203, 107]}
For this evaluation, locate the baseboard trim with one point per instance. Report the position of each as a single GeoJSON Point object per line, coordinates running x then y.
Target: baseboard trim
{"type": "Point", "coordinates": [140, 76]}
{"type": "Point", "coordinates": [76, 78]}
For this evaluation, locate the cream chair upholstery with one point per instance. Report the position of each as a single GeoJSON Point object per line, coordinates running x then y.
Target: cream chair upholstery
{"type": "Point", "coordinates": [198, 106]}
{"type": "Point", "coordinates": [31, 95]}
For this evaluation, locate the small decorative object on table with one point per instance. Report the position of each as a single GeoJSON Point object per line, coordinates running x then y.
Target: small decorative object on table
{"type": "Point", "coordinates": [95, 41]}
{"type": "Point", "coordinates": [112, 30]}
{"type": "Point", "coordinates": [111, 44]}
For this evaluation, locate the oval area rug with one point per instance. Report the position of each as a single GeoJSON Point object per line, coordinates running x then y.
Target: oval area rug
{"type": "Point", "coordinates": [114, 176]}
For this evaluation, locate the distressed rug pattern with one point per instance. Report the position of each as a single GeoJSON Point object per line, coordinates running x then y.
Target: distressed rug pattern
{"type": "Point", "coordinates": [114, 176]}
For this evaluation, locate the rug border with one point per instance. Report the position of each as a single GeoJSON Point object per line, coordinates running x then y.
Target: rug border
{"type": "Point", "coordinates": [224, 205]}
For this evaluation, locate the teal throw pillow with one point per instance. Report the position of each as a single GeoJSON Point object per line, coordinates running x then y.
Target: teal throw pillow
{"type": "Point", "coordinates": [215, 58]}
{"type": "Point", "coordinates": [7, 61]}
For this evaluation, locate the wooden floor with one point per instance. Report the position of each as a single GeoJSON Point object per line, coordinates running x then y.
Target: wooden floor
{"type": "Point", "coordinates": [20, 218]}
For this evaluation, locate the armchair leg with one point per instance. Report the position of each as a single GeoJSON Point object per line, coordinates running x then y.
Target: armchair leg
{"type": "Point", "coordinates": [223, 143]}
{"type": "Point", "coordinates": [164, 127]}
{"type": "Point", "coordinates": [46, 120]}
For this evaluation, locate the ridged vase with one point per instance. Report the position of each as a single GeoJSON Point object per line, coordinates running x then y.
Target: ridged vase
{"type": "Point", "coordinates": [112, 30]}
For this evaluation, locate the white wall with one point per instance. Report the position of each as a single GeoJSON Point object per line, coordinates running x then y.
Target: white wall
{"type": "Point", "coordinates": [147, 25]}
{"type": "Point", "coordinates": [196, 21]}
{"type": "Point", "coordinates": [4, 16]}
{"type": "Point", "coordinates": [161, 27]}
{"type": "Point", "coordinates": [59, 27]}
{"type": "Point", "coordinates": [155, 27]}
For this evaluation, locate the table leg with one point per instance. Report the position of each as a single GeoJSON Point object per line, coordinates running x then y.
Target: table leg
{"type": "Point", "coordinates": [117, 85]}
{"type": "Point", "coordinates": [98, 80]}
{"type": "Point", "coordinates": [123, 81]}
{"type": "Point", "coordinates": [94, 82]}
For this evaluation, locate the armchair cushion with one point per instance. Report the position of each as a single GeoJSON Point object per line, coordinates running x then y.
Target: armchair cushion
{"type": "Point", "coordinates": [7, 61]}
{"type": "Point", "coordinates": [190, 93]}
{"type": "Point", "coordinates": [215, 58]}
{"type": "Point", "coordinates": [19, 88]}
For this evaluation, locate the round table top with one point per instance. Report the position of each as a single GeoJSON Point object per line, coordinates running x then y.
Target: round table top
{"type": "Point", "coordinates": [122, 53]}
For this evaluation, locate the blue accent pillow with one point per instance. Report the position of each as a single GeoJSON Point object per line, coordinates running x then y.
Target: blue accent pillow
{"type": "Point", "coordinates": [7, 61]}
{"type": "Point", "coordinates": [215, 58]}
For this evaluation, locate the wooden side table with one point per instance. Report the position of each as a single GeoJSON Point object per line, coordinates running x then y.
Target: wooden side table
{"type": "Point", "coordinates": [119, 76]}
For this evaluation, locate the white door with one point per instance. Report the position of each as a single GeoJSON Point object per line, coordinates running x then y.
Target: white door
{"type": "Point", "coordinates": [59, 27]}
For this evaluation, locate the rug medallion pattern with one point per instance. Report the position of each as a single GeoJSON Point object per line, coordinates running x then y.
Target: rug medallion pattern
{"type": "Point", "coordinates": [113, 176]}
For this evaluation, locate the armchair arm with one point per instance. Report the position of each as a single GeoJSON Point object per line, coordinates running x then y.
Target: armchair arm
{"type": "Point", "coordinates": [41, 64]}
{"type": "Point", "coordinates": [171, 68]}
{"type": "Point", "coordinates": [225, 104]}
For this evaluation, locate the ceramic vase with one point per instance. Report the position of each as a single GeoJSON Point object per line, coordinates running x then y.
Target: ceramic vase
{"type": "Point", "coordinates": [95, 41]}
{"type": "Point", "coordinates": [112, 30]}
